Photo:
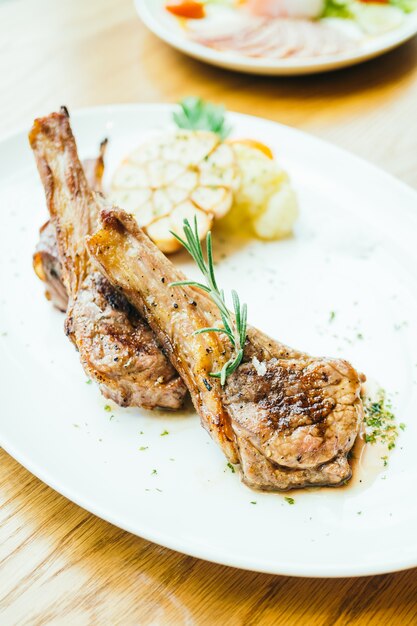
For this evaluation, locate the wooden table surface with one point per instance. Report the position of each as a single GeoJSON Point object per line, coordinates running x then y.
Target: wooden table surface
{"type": "Point", "coordinates": [59, 564]}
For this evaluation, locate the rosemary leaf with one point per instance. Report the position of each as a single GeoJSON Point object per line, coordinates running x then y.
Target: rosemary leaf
{"type": "Point", "coordinates": [179, 283]}
{"type": "Point", "coordinates": [234, 327]}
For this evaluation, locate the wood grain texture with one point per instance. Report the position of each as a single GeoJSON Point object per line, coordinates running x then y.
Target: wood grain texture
{"type": "Point", "coordinates": [59, 564]}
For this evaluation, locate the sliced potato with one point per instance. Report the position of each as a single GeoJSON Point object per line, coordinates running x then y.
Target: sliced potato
{"type": "Point", "coordinates": [265, 204]}
{"type": "Point", "coordinates": [177, 175]}
{"type": "Point", "coordinates": [281, 211]}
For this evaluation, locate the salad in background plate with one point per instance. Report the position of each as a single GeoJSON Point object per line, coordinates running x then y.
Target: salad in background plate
{"type": "Point", "coordinates": [280, 29]}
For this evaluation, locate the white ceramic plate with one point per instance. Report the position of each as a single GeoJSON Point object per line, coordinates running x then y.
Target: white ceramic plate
{"type": "Point", "coordinates": [166, 27]}
{"type": "Point", "coordinates": [354, 253]}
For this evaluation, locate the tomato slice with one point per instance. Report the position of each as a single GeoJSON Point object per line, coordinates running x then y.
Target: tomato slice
{"type": "Point", "coordinates": [186, 8]}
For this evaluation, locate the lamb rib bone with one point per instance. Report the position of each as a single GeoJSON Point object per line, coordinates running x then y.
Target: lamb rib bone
{"type": "Point", "coordinates": [46, 261]}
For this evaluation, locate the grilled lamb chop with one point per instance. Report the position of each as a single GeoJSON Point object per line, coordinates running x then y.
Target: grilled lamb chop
{"type": "Point", "coordinates": [289, 419]}
{"type": "Point", "coordinates": [46, 261]}
{"type": "Point", "coordinates": [48, 268]}
{"type": "Point", "coordinates": [117, 347]}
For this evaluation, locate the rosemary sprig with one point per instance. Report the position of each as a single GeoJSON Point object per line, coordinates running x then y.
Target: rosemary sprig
{"type": "Point", "coordinates": [234, 327]}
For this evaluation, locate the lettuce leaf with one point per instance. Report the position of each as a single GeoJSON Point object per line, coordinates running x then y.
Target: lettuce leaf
{"type": "Point", "coordinates": [405, 5]}
{"type": "Point", "coordinates": [338, 8]}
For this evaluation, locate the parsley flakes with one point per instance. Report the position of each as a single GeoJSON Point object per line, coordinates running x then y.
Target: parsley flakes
{"type": "Point", "coordinates": [379, 421]}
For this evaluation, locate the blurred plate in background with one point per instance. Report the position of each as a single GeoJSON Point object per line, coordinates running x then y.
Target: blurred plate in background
{"type": "Point", "coordinates": [167, 28]}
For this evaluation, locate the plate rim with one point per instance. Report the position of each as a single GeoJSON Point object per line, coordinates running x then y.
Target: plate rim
{"type": "Point", "coordinates": [160, 539]}
{"type": "Point", "coordinates": [188, 548]}
{"type": "Point", "coordinates": [286, 67]}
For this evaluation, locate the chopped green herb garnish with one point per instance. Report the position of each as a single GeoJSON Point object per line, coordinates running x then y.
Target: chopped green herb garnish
{"type": "Point", "coordinates": [253, 502]}
{"type": "Point", "coordinates": [107, 408]}
{"type": "Point", "coordinates": [289, 500]}
{"type": "Point", "coordinates": [402, 426]}
{"type": "Point", "coordinates": [231, 468]}
{"type": "Point", "coordinates": [332, 316]}
{"type": "Point", "coordinates": [143, 448]}
{"type": "Point", "coordinates": [379, 421]}
{"type": "Point", "coordinates": [154, 472]}
{"type": "Point", "coordinates": [88, 382]}
{"type": "Point", "coordinates": [164, 433]}
{"type": "Point", "coordinates": [196, 114]}
{"type": "Point", "coordinates": [234, 326]}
